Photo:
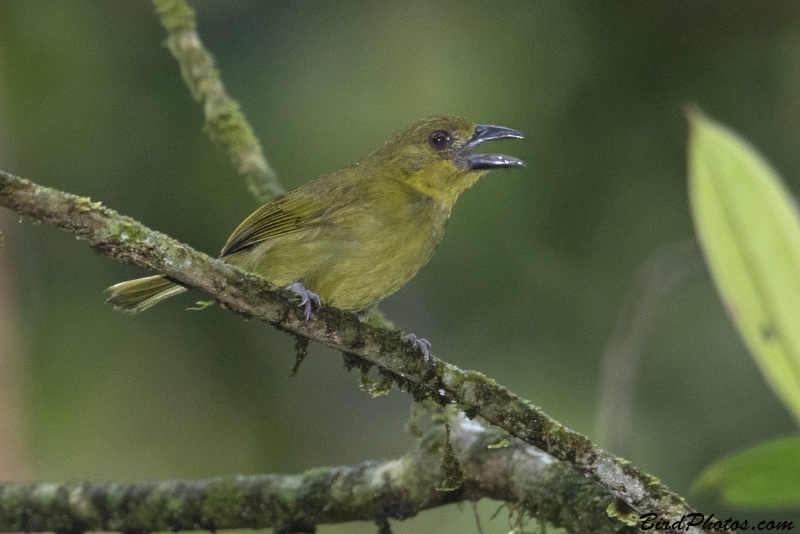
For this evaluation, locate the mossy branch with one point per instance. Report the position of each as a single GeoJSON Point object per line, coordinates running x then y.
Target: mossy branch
{"type": "Point", "coordinates": [128, 241]}
{"type": "Point", "coordinates": [225, 122]}
{"type": "Point", "coordinates": [370, 491]}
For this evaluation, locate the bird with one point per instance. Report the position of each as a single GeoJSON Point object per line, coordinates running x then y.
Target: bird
{"type": "Point", "coordinates": [353, 237]}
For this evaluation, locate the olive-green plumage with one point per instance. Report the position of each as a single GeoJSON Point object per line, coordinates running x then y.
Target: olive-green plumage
{"type": "Point", "coordinates": [357, 235]}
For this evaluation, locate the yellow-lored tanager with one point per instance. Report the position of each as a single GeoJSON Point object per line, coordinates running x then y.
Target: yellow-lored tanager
{"type": "Point", "coordinates": [355, 236]}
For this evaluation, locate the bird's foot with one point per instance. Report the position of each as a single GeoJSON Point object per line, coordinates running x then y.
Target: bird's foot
{"type": "Point", "coordinates": [308, 299]}
{"type": "Point", "coordinates": [422, 344]}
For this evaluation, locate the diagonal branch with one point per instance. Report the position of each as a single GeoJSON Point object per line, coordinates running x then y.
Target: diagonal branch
{"type": "Point", "coordinates": [128, 241]}
{"type": "Point", "coordinates": [225, 122]}
{"type": "Point", "coordinates": [370, 491]}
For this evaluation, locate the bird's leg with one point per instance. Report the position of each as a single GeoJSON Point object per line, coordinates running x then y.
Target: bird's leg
{"type": "Point", "coordinates": [307, 298]}
{"type": "Point", "coordinates": [422, 344]}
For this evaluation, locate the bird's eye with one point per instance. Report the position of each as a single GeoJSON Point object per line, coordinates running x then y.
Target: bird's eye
{"type": "Point", "coordinates": [439, 139]}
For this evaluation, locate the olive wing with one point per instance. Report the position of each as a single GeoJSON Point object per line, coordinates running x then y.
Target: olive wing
{"type": "Point", "coordinates": [291, 212]}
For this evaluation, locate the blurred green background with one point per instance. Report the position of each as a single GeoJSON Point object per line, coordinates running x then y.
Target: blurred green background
{"type": "Point", "coordinates": [525, 287]}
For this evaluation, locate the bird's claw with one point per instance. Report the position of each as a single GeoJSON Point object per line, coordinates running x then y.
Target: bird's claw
{"type": "Point", "coordinates": [308, 299]}
{"type": "Point", "coordinates": [422, 344]}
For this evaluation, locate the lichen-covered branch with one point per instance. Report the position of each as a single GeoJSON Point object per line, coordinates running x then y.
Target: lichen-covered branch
{"type": "Point", "coordinates": [370, 491]}
{"type": "Point", "coordinates": [225, 122]}
{"type": "Point", "coordinates": [128, 241]}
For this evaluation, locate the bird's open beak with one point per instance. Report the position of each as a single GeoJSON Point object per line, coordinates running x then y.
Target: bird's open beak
{"type": "Point", "coordinates": [486, 132]}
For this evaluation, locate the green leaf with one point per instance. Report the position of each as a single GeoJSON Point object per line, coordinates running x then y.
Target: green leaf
{"type": "Point", "coordinates": [749, 229]}
{"type": "Point", "coordinates": [766, 476]}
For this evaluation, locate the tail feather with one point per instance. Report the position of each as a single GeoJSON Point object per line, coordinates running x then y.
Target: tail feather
{"type": "Point", "coordinates": [135, 296]}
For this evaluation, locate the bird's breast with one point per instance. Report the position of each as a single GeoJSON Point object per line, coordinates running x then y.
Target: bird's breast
{"type": "Point", "coordinates": [377, 251]}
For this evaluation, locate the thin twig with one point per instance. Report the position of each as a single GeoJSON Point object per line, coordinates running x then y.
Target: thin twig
{"type": "Point", "coordinates": [477, 516]}
{"type": "Point", "coordinates": [655, 279]}
{"type": "Point", "coordinates": [225, 122]}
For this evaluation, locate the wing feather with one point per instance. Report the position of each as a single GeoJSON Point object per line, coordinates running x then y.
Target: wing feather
{"type": "Point", "coordinates": [295, 211]}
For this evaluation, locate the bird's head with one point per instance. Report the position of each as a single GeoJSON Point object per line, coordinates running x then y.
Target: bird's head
{"type": "Point", "coordinates": [435, 156]}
